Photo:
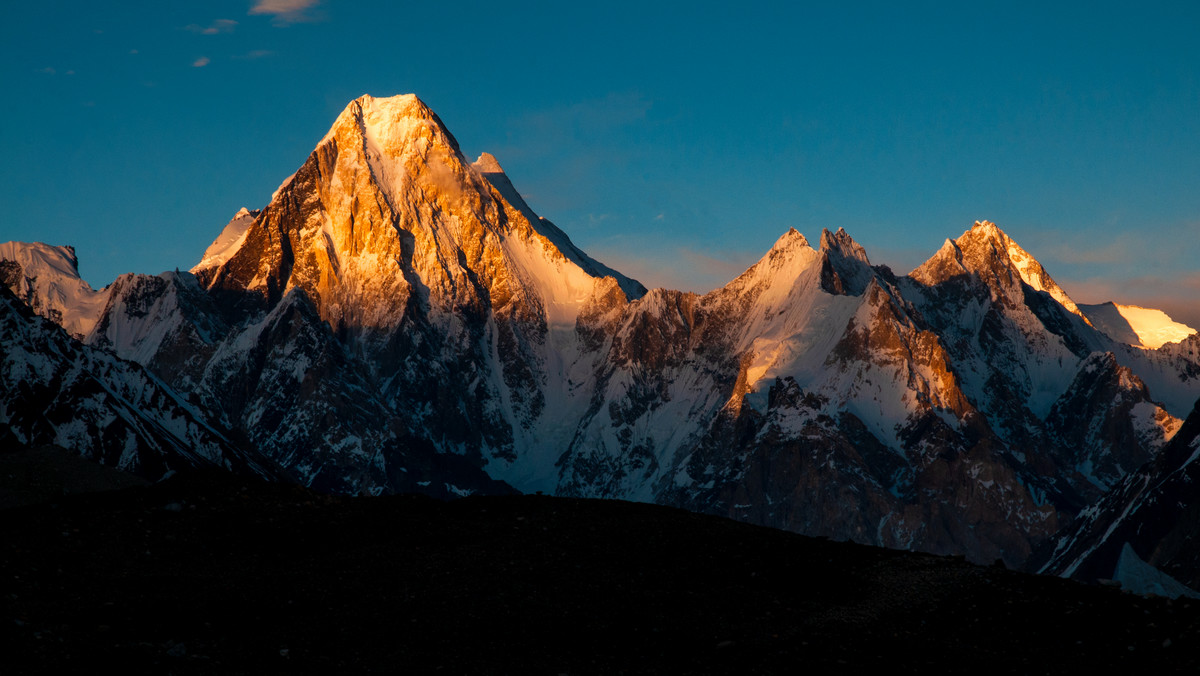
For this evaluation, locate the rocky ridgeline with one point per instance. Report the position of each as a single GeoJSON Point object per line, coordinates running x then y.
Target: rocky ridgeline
{"type": "Point", "coordinates": [397, 319]}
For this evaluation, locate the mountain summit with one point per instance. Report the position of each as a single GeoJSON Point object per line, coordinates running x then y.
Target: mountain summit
{"type": "Point", "coordinates": [987, 251]}
{"type": "Point", "coordinates": [385, 214]}
{"type": "Point", "coordinates": [399, 319]}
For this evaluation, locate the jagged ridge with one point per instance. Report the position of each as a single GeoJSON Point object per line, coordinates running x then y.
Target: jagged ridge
{"type": "Point", "coordinates": [397, 318]}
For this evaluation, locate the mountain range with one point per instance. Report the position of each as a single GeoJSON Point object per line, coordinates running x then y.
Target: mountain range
{"type": "Point", "coordinates": [397, 319]}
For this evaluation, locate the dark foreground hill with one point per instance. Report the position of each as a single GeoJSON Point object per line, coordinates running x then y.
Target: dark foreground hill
{"type": "Point", "coordinates": [209, 573]}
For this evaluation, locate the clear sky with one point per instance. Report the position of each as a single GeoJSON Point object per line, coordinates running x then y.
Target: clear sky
{"type": "Point", "coordinates": [673, 141]}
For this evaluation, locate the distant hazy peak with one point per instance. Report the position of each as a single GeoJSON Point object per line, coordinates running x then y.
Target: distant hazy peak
{"type": "Point", "coordinates": [229, 241]}
{"type": "Point", "coordinates": [47, 279]}
{"type": "Point", "coordinates": [1138, 326]}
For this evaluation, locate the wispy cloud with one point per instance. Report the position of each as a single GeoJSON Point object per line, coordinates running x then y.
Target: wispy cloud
{"type": "Point", "coordinates": [286, 11]}
{"type": "Point", "coordinates": [50, 70]}
{"type": "Point", "coordinates": [256, 54]}
{"type": "Point", "coordinates": [201, 62]}
{"type": "Point", "coordinates": [218, 26]}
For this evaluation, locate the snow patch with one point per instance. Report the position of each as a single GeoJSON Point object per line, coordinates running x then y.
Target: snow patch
{"type": "Point", "coordinates": [232, 236]}
{"type": "Point", "coordinates": [1154, 328]}
{"type": "Point", "coordinates": [1139, 577]}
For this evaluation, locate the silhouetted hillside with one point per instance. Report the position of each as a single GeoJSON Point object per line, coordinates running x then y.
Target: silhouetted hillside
{"type": "Point", "coordinates": [210, 573]}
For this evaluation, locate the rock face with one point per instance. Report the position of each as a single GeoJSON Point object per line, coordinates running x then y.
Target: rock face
{"type": "Point", "coordinates": [398, 319]}
{"type": "Point", "coordinates": [53, 390]}
{"type": "Point", "coordinates": [1106, 424]}
{"type": "Point", "coordinates": [1152, 515]}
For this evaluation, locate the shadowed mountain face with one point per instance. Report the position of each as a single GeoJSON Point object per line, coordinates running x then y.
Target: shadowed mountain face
{"type": "Point", "coordinates": [398, 319]}
{"type": "Point", "coordinates": [1152, 515]}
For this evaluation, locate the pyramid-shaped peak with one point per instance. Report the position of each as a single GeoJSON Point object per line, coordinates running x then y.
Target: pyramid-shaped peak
{"type": "Point", "coordinates": [778, 268]}
{"type": "Point", "coordinates": [792, 239]}
{"type": "Point", "coordinates": [842, 243]}
{"type": "Point", "coordinates": [487, 164]}
{"type": "Point", "coordinates": [987, 251]}
{"type": "Point", "coordinates": [987, 227]}
{"type": "Point", "coordinates": [984, 235]}
{"type": "Point", "coordinates": [391, 122]}
{"type": "Point", "coordinates": [985, 231]}
{"type": "Point", "coordinates": [403, 106]}
{"type": "Point", "coordinates": [983, 249]}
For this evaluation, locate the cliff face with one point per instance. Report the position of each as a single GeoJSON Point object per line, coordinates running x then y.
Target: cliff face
{"type": "Point", "coordinates": [1151, 516]}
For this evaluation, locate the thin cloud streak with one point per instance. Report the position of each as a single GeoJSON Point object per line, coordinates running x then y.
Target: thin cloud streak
{"type": "Point", "coordinates": [216, 27]}
{"type": "Point", "coordinates": [285, 11]}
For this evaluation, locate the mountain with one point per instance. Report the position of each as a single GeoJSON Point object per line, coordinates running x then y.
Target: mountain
{"type": "Point", "coordinates": [53, 390]}
{"type": "Point", "coordinates": [46, 278]}
{"type": "Point", "coordinates": [398, 319]}
{"type": "Point", "coordinates": [1143, 532]}
{"type": "Point", "coordinates": [1137, 326]}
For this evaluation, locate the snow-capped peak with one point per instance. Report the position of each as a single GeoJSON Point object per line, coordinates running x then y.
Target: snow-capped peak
{"type": "Point", "coordinates": [988, 251]}
{"type": "Point", "coordinates": [47, 279]}
{"type": "Point", "coordinates": [391, 124]}
{"type": "Point", "coordinates": [1137, 326]}
{"type": "Point", "coordinates": [776, 272]}
{"type": "Point", "coordinates": [842, 243]}
{"type": "Point", "coordinates": [387, 213]}
{"type": "Point", "coordinates": [388, 119]}
{"type": "Point", "coordinates": [789, 241]}
{"type": "Point", "coordinates": [490, 169]}
{"type": "Point", "coordinates": [487, 164]}
{"type": "Point", "coordinates": [229, 241]}
{"type": "Point", "coordinates": [1031, 271]}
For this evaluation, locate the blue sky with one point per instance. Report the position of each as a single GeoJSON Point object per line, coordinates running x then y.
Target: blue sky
{"type": "Point", "coordinates": [674, 143]}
